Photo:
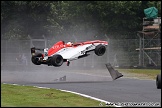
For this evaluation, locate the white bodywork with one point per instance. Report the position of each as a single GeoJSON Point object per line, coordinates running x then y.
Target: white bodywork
{"type": "Point", "coordinates": [72, 53]}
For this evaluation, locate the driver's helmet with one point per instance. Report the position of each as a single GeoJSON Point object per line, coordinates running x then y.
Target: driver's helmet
{"type": "Point", "coordinates": [69, 43]}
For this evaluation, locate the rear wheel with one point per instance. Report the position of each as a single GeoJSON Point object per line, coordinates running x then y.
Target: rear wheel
{"type": "Point", "coordinates": [35, 58]}
{"type": "Point", "coordinates": [100, 50]}
{"type": "Point", "coordinates": [158, 81]}
{"type": "Point", "coordinates": [57, 60]}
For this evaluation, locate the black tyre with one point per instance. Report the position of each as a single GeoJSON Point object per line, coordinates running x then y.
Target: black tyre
{"type": "Point", "coordinates": [35, 58]}
{"type": "Point", "coordinates": [100, 50]}
{"type": "Point", "coordinates": [158, 81]}
{"type": "Point", "coordinates": [57, 60]}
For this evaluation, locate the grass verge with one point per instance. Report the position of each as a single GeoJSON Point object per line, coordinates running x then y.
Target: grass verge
{"type": "Point", "coordinates": [29, 96]}
{"type": "Point", "coordinates": [140, 73]}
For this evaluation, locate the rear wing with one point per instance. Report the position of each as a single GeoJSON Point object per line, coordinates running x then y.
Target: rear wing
{"type": "Point", "coordinates": [33, 50]}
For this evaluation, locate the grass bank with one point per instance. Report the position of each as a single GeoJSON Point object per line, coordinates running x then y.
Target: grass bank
{"type": "Point", "coordinates": [140, 73]}
{"type": "Point", "coordinates": [28, 96]}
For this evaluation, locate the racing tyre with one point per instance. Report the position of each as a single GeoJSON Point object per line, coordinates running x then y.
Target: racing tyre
{"type": "Point", "coordinates": [100, 50]}
{"type": "Point", "coordinates": [57, 60]}
{"type": "Point", "coordinates": [158, 81]}
{"type": "Point", "coordinates": [35, 58]}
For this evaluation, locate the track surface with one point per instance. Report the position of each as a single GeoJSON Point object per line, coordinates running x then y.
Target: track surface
{"type": "Point", "coordinates": [98, 84]}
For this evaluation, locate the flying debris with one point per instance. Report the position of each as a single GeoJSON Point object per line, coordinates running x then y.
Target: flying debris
{"type": "Point", "coordinates": [114, 73]}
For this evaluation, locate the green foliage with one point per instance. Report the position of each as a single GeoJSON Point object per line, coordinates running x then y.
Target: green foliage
{"type": "Point", "coordinates": [36, 18]}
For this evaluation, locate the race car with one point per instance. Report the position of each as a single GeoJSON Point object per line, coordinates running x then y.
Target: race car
{"type": "Point", "coordinates": [65, 52]}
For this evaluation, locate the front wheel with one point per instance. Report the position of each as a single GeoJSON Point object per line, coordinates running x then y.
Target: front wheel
{"type": "Point", "coordinates": [100, 50]}
{"type": "Point", "coordinates": [57, 60]}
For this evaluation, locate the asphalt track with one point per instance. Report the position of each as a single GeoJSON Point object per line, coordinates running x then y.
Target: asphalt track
{"type": "Point", "coordinates": [96, 83]}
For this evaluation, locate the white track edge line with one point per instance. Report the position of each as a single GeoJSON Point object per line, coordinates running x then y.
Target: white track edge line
{"type": "Point", "coordinates": [87, 96]}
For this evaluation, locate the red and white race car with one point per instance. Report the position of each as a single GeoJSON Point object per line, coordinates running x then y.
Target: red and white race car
{"type": "Point", "coordinates": [66, 52]}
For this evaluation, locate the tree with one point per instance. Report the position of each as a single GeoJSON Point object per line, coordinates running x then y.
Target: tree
{"type": "Point", "coordinates": [118, 19]}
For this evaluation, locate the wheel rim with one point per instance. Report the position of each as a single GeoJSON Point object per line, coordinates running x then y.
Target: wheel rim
{"type": "Point", "coordinates": [102, 50]}
{"type": "Point", "coordinates": [58, 60]}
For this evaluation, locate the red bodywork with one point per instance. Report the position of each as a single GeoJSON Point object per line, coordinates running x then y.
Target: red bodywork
{"type": "Point", "coordinates": [61, 44]}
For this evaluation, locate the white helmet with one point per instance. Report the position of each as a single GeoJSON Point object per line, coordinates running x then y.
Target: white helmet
{"type": "Point", "coordinates": [69, 43]}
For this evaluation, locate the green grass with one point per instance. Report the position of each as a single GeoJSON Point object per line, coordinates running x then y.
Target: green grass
{"type": "Point", "coordinates": [28, 96]}
{"type": "Point", "coordinates": [140, 73]}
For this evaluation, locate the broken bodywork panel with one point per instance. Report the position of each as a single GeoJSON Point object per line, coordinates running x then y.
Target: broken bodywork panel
{"type": "Point", "coordinates": [114, 73]}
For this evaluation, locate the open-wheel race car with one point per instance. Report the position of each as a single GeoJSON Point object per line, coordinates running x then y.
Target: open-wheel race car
{"type": "Point", "coordinates": [65, 52]}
